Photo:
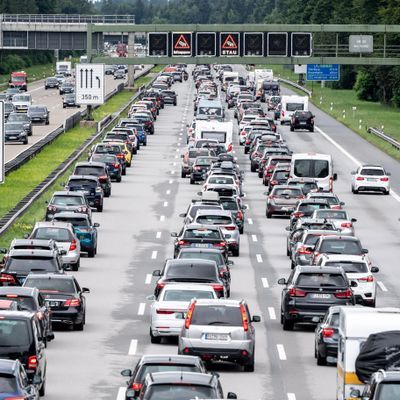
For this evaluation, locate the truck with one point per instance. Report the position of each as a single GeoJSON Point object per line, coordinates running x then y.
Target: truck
{"type": "Point", "coordinates": [64, 67]}
{"type": "Point", "coordinates": [215, 130]}
{"type": "Point", "coordinates": [18, 79]}
{"type": "Point", "coordinates": [261, 75]}
{"type": "Point", "coordinates": [356, 324]}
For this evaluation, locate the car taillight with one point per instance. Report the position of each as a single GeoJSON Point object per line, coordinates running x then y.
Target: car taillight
{"type": "Point", "coordinates": [239, 215]}
{"type": "Point", "coordinates": [148, 123]}
{"type": "Point", "coordinates": [7, 278]}
{"type": "Point", "coordinates": [15, 398]}
{"type": "Point", "coordinates": [189, 315]}
{"type": "Point", "coordinates": [303, 250]}
{"type": "Point", "coordinates": [230, 147]}
{"type": "Point", "coordinates": [220, 244]}
{"type": "Point", "coordinates": [32, 362]}
{"type": "Point", "coordinates": [72, 246]}
{"type": "Point", "coordinates": [160, 285]}
{"type": "Point", "coordinates": [274, 182]}
{"type": "Point", "coordinates": [230, 228]}
{"type": "Point", "coordinates": [298, 214]}
{"type": "Point", "coordinates": [182, 242]}
{"type": "Point", "coordinates": [121, 155]}
{"type": "Point", "coordinates": [368, 278]}
{"type": "Point", "coordinates": [197, 168]}
{"type": "Point", "coordinates": [327, 332]}
{"type": "Point", "coordinates": [384, 179]}
{"type": "Point", "coordinates": [102, 178]}
{"type": "Point", "coordinates": [136, 386]}
{"type": "Point", "coordinates": [335, 206]}
{"type": "Point", "coordinates": [243, 133]}
{"type": "Point", "coordinates": [359, 178]}
{"type": "Point", "coordinates": [245, 321]}
{"type": "Point", "coordinates": [346, 225]}
{"type": "Point", "coordinates": [72, 303]}
{"type": "Point", "coordinates": [164, 312]}
{"type": "Point", "coordinates": [294, 292]}
{"type": "Point", "coordinates": [345, 294]}
{"type": "Point", "coordinates": [283, 113]}
{"type": "Point", "coordinates": [116, 165]}
{"type": "Point", "coordinates": [52, 208]}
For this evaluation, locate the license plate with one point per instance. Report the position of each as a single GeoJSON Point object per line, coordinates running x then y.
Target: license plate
{"type": "Point", "coordinates": [320, 296]}
{"type": "Point", "coordinates": [52, 303]}
{"type": "Point", "coordinates": [303, 123]}
{"type": "Point", "coordinates": [201, 245]}
{"type": "Point", "coordinates": [371, 180]}
{"type": "Point", "coordinates": [12, 137]}
{"type": "Point", "coordinates": [216, 336]}
{"type": "Point", "coordinates": [285, 208]}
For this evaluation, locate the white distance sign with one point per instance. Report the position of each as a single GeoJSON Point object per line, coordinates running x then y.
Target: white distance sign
{"type": "Point", "coordinates": [2, 160]}
{"type": "Point", "coordinates": [89, 84]}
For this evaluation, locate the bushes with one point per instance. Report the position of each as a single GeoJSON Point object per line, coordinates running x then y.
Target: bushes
{"type": "Point", "coordinates": [365, 86]}
{"type": "Point", "coordinates": [17, 60]}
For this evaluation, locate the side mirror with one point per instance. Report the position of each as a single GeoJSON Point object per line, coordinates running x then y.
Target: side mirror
{"type": "Point", "coordinates": [287, 229]}
{"type": "Point", "coordinates": [342, 203]}
{"type": "Point", "coordinates": [96, 225]}
{"type": "Point", "coordinates": [335, 177]}
{"type": "Point", "coordinates": [157, 272]}
{"type": "Point", "coordinates": [50, 336]}
{"type": "Point", "coordinates": [244, 207]}
{"type": "Point", "coordinates": [151, 298]}
{"type": "Point", "coordinates": [183, 215]}
{"type": "Point", "coordinates": [256, 318]}
{"type": "Point", "coordinates": [355, 394]}
{"type": "Point", "coordinates": [353, 284]}
{"type": "Point", "coordinates": [231, 395]}
{"type": "Point", "coordinates": [353, 220]}
{"type": "Point", "coordinates": [174, 234]}
{"type": "Point", "coordinates": [265, 193]}
{"type": "Point", "coordinates": [26, 236]}
{"type": "Point", "coordinates": [227, 236]}
{"type": "Point", "coordinates": [229, 262]}
{"type": "Point", "coordinates": [126, 372]}
{"type": "Point", "coordinates": [353, 172]}
{"type": "Point", "coordinates": [85, 290]}
{"type": "Point", "coordinates": [374, 269]}
{"type": "Point", "coordinates": [62, 184]}
{"type": "Point", "coordinates": [388, 174]}
{"type": "Point", "coordinates": [282, 281]}
{"type": "Point", "coordinates": [365, 251]}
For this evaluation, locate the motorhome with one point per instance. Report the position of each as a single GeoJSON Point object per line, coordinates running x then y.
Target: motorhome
{"type": "Point", "coordinates": [221, 131]}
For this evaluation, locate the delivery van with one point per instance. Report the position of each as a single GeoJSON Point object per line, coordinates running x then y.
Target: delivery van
{"type": "Point", "coordinates": [290, 104]}
{"type": "Point", "coordinates": [216, 130]}
{"type": "Point", "coordinates": [229, 77]}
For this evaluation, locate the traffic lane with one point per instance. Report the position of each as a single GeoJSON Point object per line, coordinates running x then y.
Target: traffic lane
{"type": "Point", "coordinates": [116, 277]}
{"type": "Point", "coordinates": [53, 100]}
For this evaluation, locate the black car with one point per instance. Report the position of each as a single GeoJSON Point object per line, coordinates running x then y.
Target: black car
{"type": "Point", "coordinates": [117, 149]}
{"type": "Point", "coordinates": [192, 270]}
{"type": "Point", "coordinates": [67, 201]}
{"type": "Point", "coordinates": [64, 296]}
{"type": "Point", "coordinates": [69, 100]}
{"type": "Point", "coordinates": [310, 291]}
{"type": "Point", "coordinates": [112, 163]}
{"type": "Point", "coordinates": [30, 299]}
{"type": "Point", "coordinates": [146, 121]}
{"type": "Point", "coordinates": [305, 209]}
{"type": "Point", "coordinates": [51, 83]}
{"type": "Point", "coordinates": [200, 168]}
{"type": "Point", "coordinates": [21, 340]}
{"type": "Point", "coordinates": [90, 186]}
{"type": "Point", "coordinates": [23, 118]}
{"type": "Point", "coordinates": [169, 97]}
{"type": "Point", "coordinates": [98, 169]}
{"type": "Point", "coordinates": [39, 114]}
{"type": "Point", "coordinates": [67, 87]}
{"type": "Point", "coordinates": [327, 337]}
{"type": "Point", "coordinates": [157, 363]}
{"type": "Point", "coordinates": [302, 120]}
{"type": "Point", "coordinates": [15, 132]}
{"type": "Point", "coordinates": [8, 109]}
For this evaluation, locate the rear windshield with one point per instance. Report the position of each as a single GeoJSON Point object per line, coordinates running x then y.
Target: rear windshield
{"type": "Point", "coordinates": [229, 205]}
{"type": "Point", "coordinates": [341, 247]}
{"type": "Point", "coordinates": [194, 209]}
{"type": "Point", "coordinates": [106, 158]}
{"type": "Point", "coordinates": [204, 161]}
{"type": "Point", "coordinates": [311, 168]}
{"type": "Point", "coordinates": [214, 220]}
{"type": "Point", "coordinates": [350, 267]}
{"type": "Point", "coordinates": [8, 383]}
{"type": "Point", "coordinates": [51, 285]}
{"type": "Point", "coordinates": [294, 106]}
{"type": "Point", "coordinates": [332, 200]}
{"type": "Point", "coordinates": [150, 368]}
{"type": "Point", "coordinates": [195, 270]}
{"type": "Point", "coordinates": [74, 221]}
{"type": "Point", "coordinates": [221, 180]}
{"type": "Point", "coordinates": [217, 315]}
{"type": "Point", "coordinates": [288, 192]}
{"type": "Point", "coordinates": [67, 200]}
{"type": "Point", "coordinates": [82, 183]}
{"type": "Point", "coordinates": [187, 295]}
{"type": "Point", "coordinates": [311, 239]}
{"type": "Point", "coordinates": [217, 257]}
{"type": "Point", "coordinates": [25, 303]}
{"type": "Point", "coordinates": [320, 280]}
{"type": "Point", "coordinates": [281, 175]}
{"type": "Point", "coordinates": [372, 172]}
{"type": "Point", "coordinates": [310, 207]}
{"type": "Point", "coordinates": [14, 333]}
{"type": "Point", "coordinates": [179, 391]}
{"type": "Point", "coordinates": [58, 234]}
{"type": "Point", "coordinates": [389, 390]}
{"type": "Point", "coordinates": [197, 153]}
{"type": "Point", "coordinates": [95, 171]}
{"type": "Point", "coordinates": [331, 214]}
{"type": "Point", "coordinates": [26, 264]}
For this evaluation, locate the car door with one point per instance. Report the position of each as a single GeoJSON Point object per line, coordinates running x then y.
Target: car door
{"type": "Point", "coordinates": [45, 311]}
{"type": "Point", "coordinates": [289, 282]}
{"type": "Point", "coordinates": [29, 389]}
{"type": "Point", "coordinates": [40, 349]}
{"type": "Point", "coordinates": [81, 296]}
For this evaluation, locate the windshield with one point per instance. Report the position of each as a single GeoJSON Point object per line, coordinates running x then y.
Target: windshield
{"type": "Point", "coordinates": [8, 383]}
{"type": "Point", "coordinates": [389, 391]}
{"type": "Point", "coordinates": [105, 158]}
{"type": "Point", "coordinates": [37, 109]}
{"type": "Point", "coordinates": [194, 209]}
{"type": "Point", "coordinates": [51, 285]}
{"type": "Point", "coordinates": [67, 201]}
{"type": "Point", "coordinates": [318, 280]}
{"type": "Point", "coordinates": [281, 175]}
{"type": "Point", "coordinates": [14, 126]}
{"type": "Point", "coordinates": [330, 214]}
{"type": "Point", "coordinates": [178, 391]}
{"type": "Point", "coordinates": [294, 106]}
{"type": "Point", "coordinates": [219, 136]}
{"type": "Point", "coordinates": [82, 183]}
{"type": "Point", "coordinates": [287, 192]}
{"type": "Point", "coordinates": [195, 270]}
{"type": "Point", "coordinates": [349, 266]}
{"type": "Point", "coordinates": [310, 207]}
{"type": "Point", "coordinates": [332, 200]}
{"type": "Point", "coordinates": [22, 98]}
{"type": "Point", "coordinates": [217, 315]}
{"type": "Point", "coordinates": [229, 205]}
{"type": "Point", "coordinates": [217, 257]}
{"type": "Point", "coordinates": [372, 172]}
{"type": "Point", "coordinates": [27, 264]}
{"type": "Point", "coordinates": [187, 295]}
{"type": "Point", "coordinates": [168, 366]}
{"type": "Point", "coordinates": [204, 161]}
{"type": "Point", "coordinates": [341, 247]}
{"type": "Point", "coordinates": [14, 333]}
{"type": "Point", "coordinates": [221, 180]}
{"type": "Point", "coordinates": [88, 170]}
{"type": "Point", "coordinates": [214, 220]}
{"type": "Point", "coordinates": [74, 221]}
{"type": "Point", "coordinates": [311, 240]}
{"type": "Point", "coordinates": [311, 168]}
{"type": "Point", "coordinates": [58, 234]}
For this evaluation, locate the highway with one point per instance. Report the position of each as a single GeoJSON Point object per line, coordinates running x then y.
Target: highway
{"type": "Point", "coordinates": [53, 100]}
{"type": "Point", "coordinates": [134, 240]}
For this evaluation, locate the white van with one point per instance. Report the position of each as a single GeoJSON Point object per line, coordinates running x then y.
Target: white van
{"type": "Point", "coordinates": [290, 104]}
{"type": "Point", "coordinates": [316, 166]}
{"type": "Point", "coordinates": [229, 77]}
{"type": "Point", "coordinates": [221, 131]}
{"type": "Point", "coordinates": [355, 325]}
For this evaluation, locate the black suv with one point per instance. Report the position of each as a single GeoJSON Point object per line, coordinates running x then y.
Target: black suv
{"type": "Point", "coordinates": [302, 120]}
{"type": "Point", "coordinates": [21, 340]}
{"type": "Point", "coordinates": [310, 291]}
{"type": "Point", "coordinates": [90, 186]}
{"type": "Point", "coordinates": [95, 169]}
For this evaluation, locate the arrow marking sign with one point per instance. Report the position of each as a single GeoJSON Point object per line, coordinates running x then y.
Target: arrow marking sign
{"type": "Point", "coordinates": [89, 86]}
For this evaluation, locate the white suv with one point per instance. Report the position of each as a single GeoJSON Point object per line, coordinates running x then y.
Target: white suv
{"type": "Point", "coordinates": [370, 178]}
{"type": "Point", "coordinates": [358, 270]}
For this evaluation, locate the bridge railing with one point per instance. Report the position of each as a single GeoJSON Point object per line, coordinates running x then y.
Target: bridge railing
{"type": "Point", "coordinates": [68, 18]}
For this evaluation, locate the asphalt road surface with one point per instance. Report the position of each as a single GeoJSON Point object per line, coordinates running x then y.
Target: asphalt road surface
{"type": "Point", "coordinates": [134, 240]}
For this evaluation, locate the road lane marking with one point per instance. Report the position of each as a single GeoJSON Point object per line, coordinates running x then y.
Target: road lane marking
{"type": "Point", "coordinates": [281, 352]}
{"type": "Point", "coordinates": [162, 218]}
{"type": "Point", "coordinates": [271, 311]}
{"type": "Point", "coordinates": [158, 235]}
{"type": "Point", "coordinates": [168, 192]}
{"type": "Point", "coordinates": [174, 164]}
{"type": "Point", "coordinates": [171, 181]}
{"type": "Point", "coordinates": [172, 172]}
{"type": "Point", "coordinates": [259, 258]}
{"type": "Point", "coordinates": [265, 282]}
{"type": "Point", "coordinates": [165, 203]}
{"type": "Point", "coordinates": [254, 237]}
{"type": "Point", "coordinates": [247, 206]}
{"type": "Point", "coordinates": [382, 286]}
{"type": "Point", "coordinates": [154, 254]}
{"type": "Point", "coordinates": [291, 396]}
{"type": "Point", "coordinates": [121, 393]}
{"type": "Point", "coordinates": [133, 347]}
{"type": "Point", "coordinates": [177, 150]}
{"type": "Point", "coordinates": [250, 221]}
{"type": "Point", "coordinates": [141, 308]}
{"type": "Point", "coordinates": [148, 279]}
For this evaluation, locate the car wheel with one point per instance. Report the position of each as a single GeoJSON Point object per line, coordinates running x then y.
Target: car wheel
{"type": "Point", "coordinates": [287, 251]}
{"type": "Point", "coordinates": [135, 151]}
{"type": "Point", "coordinates": [312, 129]}
{"type": "Point", "coordinates": [241, 230]}
{"type": "Point", "coordinates": [119, 179]}
{"type": "Point", "coordinates": [42, 390]}
{"type": "Point", "coordinates": [25, 141]}
{"type": "Point", "coordinates": [100, 208]}
{"type": "Point", "coordinates": [387, 192]}
{"type": "Point", "coordinates": [249, 367]}
{"type": "Point", "coordinates": [291, 128]}
{"type": "Point", "coordinates": [265, 182]}
{"type": "Point", "coordinates": [320, 360]}
{"type": "Point", "coordinates": [145, 143]}
{"type": "Point", "coordinates": [260, 173]}
{"type": "Point", "coordinates": [183, 174]}
{"type": "Point", "coordinates": [192, 181]}
{"type": "Point", "coordinates": [76, 266]}
{"type": "Point", "coordinates": [268, 214]}
{"type": "Point", "coordinates": [236, 252]}
{"type": "Point", "coordinates": [91, 253]}
{"type": "Point", "coordinates": [287, 324]}
{"type": "Point", "coordinates": [246, 150]}
{"type": "Point", "coordinates": [282, 122]}
{"type": "Point", "coordinates": [354, 190]}
{"type": "Point", "coordinates": [47, 122]}
{"type": "Point", "coordinates": [292, 265]}
{"type": "Point", "coordinates": [64, 106]}
{"type": "Point", "coordinates": [154, 339]}
{"type": "Point", "coordinates": [129, 164]}
{"type": "Point", "coordinates": [253, 168]}
{"type": "Point", "coordinates": [124, 171]}
{"type": "Point", "coordinates": [79, 327]}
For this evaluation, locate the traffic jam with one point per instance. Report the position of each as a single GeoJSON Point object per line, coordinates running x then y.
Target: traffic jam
{"type": "Point", "coordinates": [195, 318]}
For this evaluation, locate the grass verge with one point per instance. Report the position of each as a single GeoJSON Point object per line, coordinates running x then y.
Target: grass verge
{"type": "Point", "coordinates": [339, 104]}
{"type": "Point", "coordinates": [35, 73]}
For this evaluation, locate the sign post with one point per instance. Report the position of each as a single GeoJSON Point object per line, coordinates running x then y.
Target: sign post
{"type": "Point", "coordinates": [89, 86]}
{"type": "Point", "coordinates": [323, 72]}
{"type": "Point", "coordinates": [2, 158]}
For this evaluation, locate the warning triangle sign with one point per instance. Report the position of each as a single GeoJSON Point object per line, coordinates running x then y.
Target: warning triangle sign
{"type": "Point", "coordinates": [182, 43]}
{"type": "Point", "coordinates": [229, 43]}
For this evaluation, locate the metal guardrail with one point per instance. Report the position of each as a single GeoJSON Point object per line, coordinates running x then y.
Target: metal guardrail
{"type": "Point", "coordinates": [297, 86]}
{"type": "Point", "coordinates": [68, 18]}
{"type": "Point", "coordinates": [383, 136]}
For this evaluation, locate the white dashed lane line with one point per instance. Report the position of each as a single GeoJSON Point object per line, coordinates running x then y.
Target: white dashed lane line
{"type": "Point", "coordinates": [168, 192]}
{"type": "Point", "coordinates": [165, 203]}
{"type": "Point", "coordinates": [162, 218]}
{"type": "Point", "coordinates": [133, 346]}
{"type": "Point", "coordinates": [249, 221]}
{"type": "Point", "coordinates": [291, 396]}
{"type": "Point", "coordinates": [158, 235]}
{"type": "Point", "coordinates": [121, 393]}
{"type": "Point", "coordinates": [142, 307]}
{"type": "Point", "coordinates": [259, 258]}
{"type": "Point", "coordinates": [154, 254]}
{"type": "Point", "coordinates": [271, 312]}
{"type": "Point", "coordinates": [281, 352]}
{"type": "Point", "coordinates": [382, 286]}
{"type": "Point", "coordinates": [148, 279]}
{"type": "Point", "coordinates": [265, 282]}
{"type": "Point", "coordinates": [254, 238]}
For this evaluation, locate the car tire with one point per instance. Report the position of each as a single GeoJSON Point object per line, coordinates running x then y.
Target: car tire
{"type": "Point", "coordinates": [183, 174]}
{"type": "Point", "coordinates": [154, 339]}
{"type": "Point", "coordinates": [354, 191]}
{"type": "Point", "coordinates": [47, 122]}
{"type": "Point", "coordinates": [268, 214]}
{"type": "Point", "coordinates": [249, 367]}
{"type": "Point", "coordinates": [287, 324]}
{"type": "Point", "coordinates": [260, 173]}
{"type": "Point", "coordinates": [287, 252]}
{"type": "Point", "coordinates": [241, 230]}
{"type": "Point", "coordinates": [192, 181]}
{"type": "Point", "coordinates": [80, 326]}
{"type": "Point", "coordinates": [253, 168]}
{"type": "Point", "coordinates": [135, 151]}
{"type": "Point", "coordinates": [265, 182]}
{"type": "Point", "coordinates": [75, 267]}
{"type": "Point", "coordinates": [145, 143]}
{"type": "Point", "coordinates": [312, 129]}
{"type": "Point", "coordinates": [100, 208]}
{"type": "Point", "coordinates": [42, 390]}
{"type": "Point", "coordinates": [119, 179]}
{"type": "Point", "coordinates": [291, 128]}
{"type": "Point", "coordinates": [387, 192]}
{"type": "Point", "coordinates": [282, 123]}
{"type": "Point", "coordinates": [292, 265]}
{"type": "Point", "coordinates": [25, 141]}
{"type": "Point", "coordinates": [124, 171]}
{"type": "Point", "coordinates": [320, 360]}
{"type": "Point", "coordinates": [236, 252]}
{"type": "Point", "coordinates": [246, 150]}
{"type": "Point", "coordinates": [64, 106]}
{"type": "Point", "coordinates": [91, 253]}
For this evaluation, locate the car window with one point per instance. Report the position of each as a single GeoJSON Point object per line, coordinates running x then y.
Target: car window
{"type": "Point", "coordinates": [25, 303]}
{"type": "Point", "coordinates": [89, 170]}
{"type": "Point", "coordinates": [74, 221]}
{"type": "Point", "coordinates": [320, 280]}
{"type": "Point", "coordinates": [82, 183]}
{"type": "Point", "coordinates": [27, 264]}
{"type": "Point", "coordinates": [186, 295]}
{"type": "Point", "coordinates": [281, 175]}
{"type": "Point", "coordinates": [14, 333]}
{"type": "Point", "coordinates": [58, 234]}
{"type": "Point", "coordinates": [8, 383]}
{"type": "Point", "coordinates": [221, 180]}
{"type": "Point", "coordinates": [330, 199]}
{"type": "Point", "coordinates": [349, 266]}
{"type": "Point", "coordinates": [331, 214]}
{"type": "Point", "coordinates": [388, 391]}
{"type": "Point", "coordinates": [178, 391]}
{"type": "Point", "coordinates": [287, 192]}
{"type": "Point", "coordinates": [195, 208]}
{"type": "Point", "coordinates": [67, 200]}
{"type": "Point", "coordinates": [229, 205]}
{"type": "Point", "coordinates": [310, 207]}
{"type": "Point", "coordinates": [372, 171]}
{"type": "Point", "coordinates": [201, 233]}
{"type": "Point", "coordinates": [205, 271]}
{"type": "Point", "coordinates": [214, 220]}
{"type": "Point", "coordinates": [217, 257]}
{"type": "Point", "coordinates": [216, 315]}
{"type": "Point", "coordinates": [311, 168]}
{"type": "Point", "coordinates": [151, 368]}
{"type": "Point", "coordinates": [340, 247]}
{"type": "Point", "coordinates": [53, 285]}
{"type": "Point", "coordinates": [311, 240]}
{"type": "Point", "coordinates": [334, 320]}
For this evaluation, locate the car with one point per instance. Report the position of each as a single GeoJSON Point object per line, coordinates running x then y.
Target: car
{"type": "Point", "coordinates": [270, 164]}
{"type": "Point", "coordinates": [85, 230]}
{"type": "Point", "coordinates": [306, 207]}
{"type": "Point", "coordinates": [10, 92]}
{"type": "Point", "coordinates": [310, 291]}
{"type": "Point", "coordinates": [69, 100]}
{"type": "Point", "coordinates": [280, 176]}
{"type": "Point", "coordinates": [119, 74]}
{"type": "Point", "coordinates": [15, 132]}
{"type": "Point", "coordinates": [66, 87]}
{"type": "Point", "coordinates": [117, 149]}
{"type": "Point", "coordinates": [14, 381]}
{"type": "Point", "coordinates": [179, 385]}
{"type": "Point", "coordinates": [67, 201]}
{"type": "Point", "coordinates": [200, 167]}
{"type": "Point", "coordinates": [8, 109]}
{"type": "Point", "coordinates": [282, 200]}
{"type": "Point", "coordinates": [39, 114]}
{"type": "Point", "coordinates": [30, 299]}
{"type": "Point", "coordinates": [189, 158]}
{"type": "Point", "coordinates": [200, 236]}
{"type": "Point", "coordinates": [370, 178]}
{"type": "Point", "coordinates": [331, 198]}
{"type": "Point", "coordinates": [127, 137]}
{"type": "Point", "coordinates": [196, 205]}
{"type": "Point", "coordinates": [21, 340]}
{"type": "Point", "coordinates": [169, 97]}
{"type": "Point", "coordinates": [90, 186]}
{"type": "Point", "coordinates": [22, 102]}
{"type": "Point", "coordinates": [138, 127]}
{"type": "Point", "coordinates": [307, 185]}
{"type": "Point", "coordinates": [65, 297]}
{"type": "Point", "coordinates": [302, 120]}
{"type": "Point", "coordinates": [236, 208]}
{"type": "Point", "coordinates": [149, 364]}
{"type": "Point", "coordinates": [22, 118]}
{"type": "Point", "coordinates": [51, 83]}
{"type": "Point", "coordinates": [219, 330]}
{"type": "Point", "coordinates": [146, 120]}
{"type": "Point", "coordinates": [112, 163]}
{"type": "Point", "coordinates": [64, 235]}
{"type": "Point", "coordinates": [60, 78]}
{"type": "Point", "coordinates": [339, 218]}
{"type": "Point", "coordinates": [169, 308]}
{"type": "Point", "coordinates": [327, 337]}
{"type": "Point", "coordinates": [98, 169]}
{"type": "Point", "coordinates": [357, 269]}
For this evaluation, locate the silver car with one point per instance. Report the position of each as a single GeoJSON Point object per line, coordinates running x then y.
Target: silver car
{"type": "Point", "coordinates": [339, 218]}
{"type": "Point", "coordinates": [66, 240]}
{"type": "Point", "coordinates": [226, 222]}
{"type": "Point", "coordinates": [220, 330]}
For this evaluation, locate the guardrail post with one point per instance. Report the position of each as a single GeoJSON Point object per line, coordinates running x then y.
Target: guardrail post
{"type": "Point", "coordinates": [360, 124]}
{"type": "Point", "coordinates": [344, 114]}
{"type": "Point", "coordinates": [331, 108]}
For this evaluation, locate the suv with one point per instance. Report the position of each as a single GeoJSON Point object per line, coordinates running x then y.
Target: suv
{"type": "Point", "coordinates": [221, 330]}
{"type": "Point", "coordinates": [21, 340]}
{"type": "Point", "coordinates": [90, 186]}
{"type": "Point", "coordinates": [283, 199]}
{"type": "Point", "coordinates": [310, 291]}
{"type": "Point", "coordinates": [67, 201]}
{"type": "Point", "coordinates": [302, 120]}
{"type": "Point", "coordinates": [98, 169]}
{"type": "Point", "coordinates": [370, 178]}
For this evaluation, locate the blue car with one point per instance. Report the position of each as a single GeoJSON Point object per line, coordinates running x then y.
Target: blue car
{"type": "Point", "coordinates": [112, 163]}
{"type": "Point", "coordinates": [14, 382]}
{"type": "Point", "coordinates": [85, 230]}
{"type": "Point", "coordinates": [132, 123]}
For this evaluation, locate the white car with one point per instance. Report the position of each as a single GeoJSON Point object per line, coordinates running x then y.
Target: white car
{"type": "Point", "coordinates": [370, 178]}
{"type": "Point", "coordinates": [243, 134]}
{"type": "Point", "coordinates": [168, 311]}
{"type": "Point", "coordinates": [339, 218]}
{"type": "Point", "coordinates": [246, 120]}
{"type": "Point", "coordinates": [358, 270]}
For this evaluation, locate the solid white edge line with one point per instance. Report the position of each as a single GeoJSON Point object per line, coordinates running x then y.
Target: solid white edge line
{"type": "Point", "coordinates": [271, 311]}
{"type": "Point", "coordinates": [142, 307]}
{"type": "Point", "coordinates": [254, 238]}
{"type": "Point", "coordinates": [281, 352]}
{"type": "Point", "coordinates": [382, 286]}
{"type": "Point", "coordinates": [148, 279]}
{"type": "Point", "coordinates": [133, 347]}
{"type": "Point", "coordinates": [121, 393]}
{"type": "Point", "coordinates": [154, 254]}
{"type": "Point", "coordinates": [259, 258]}
{"type": "Point", "coordinates": [265, 282]}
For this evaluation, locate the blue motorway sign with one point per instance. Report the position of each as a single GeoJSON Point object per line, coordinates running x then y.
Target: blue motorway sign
{"type": "Point", "coordinates": [323, 72]}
